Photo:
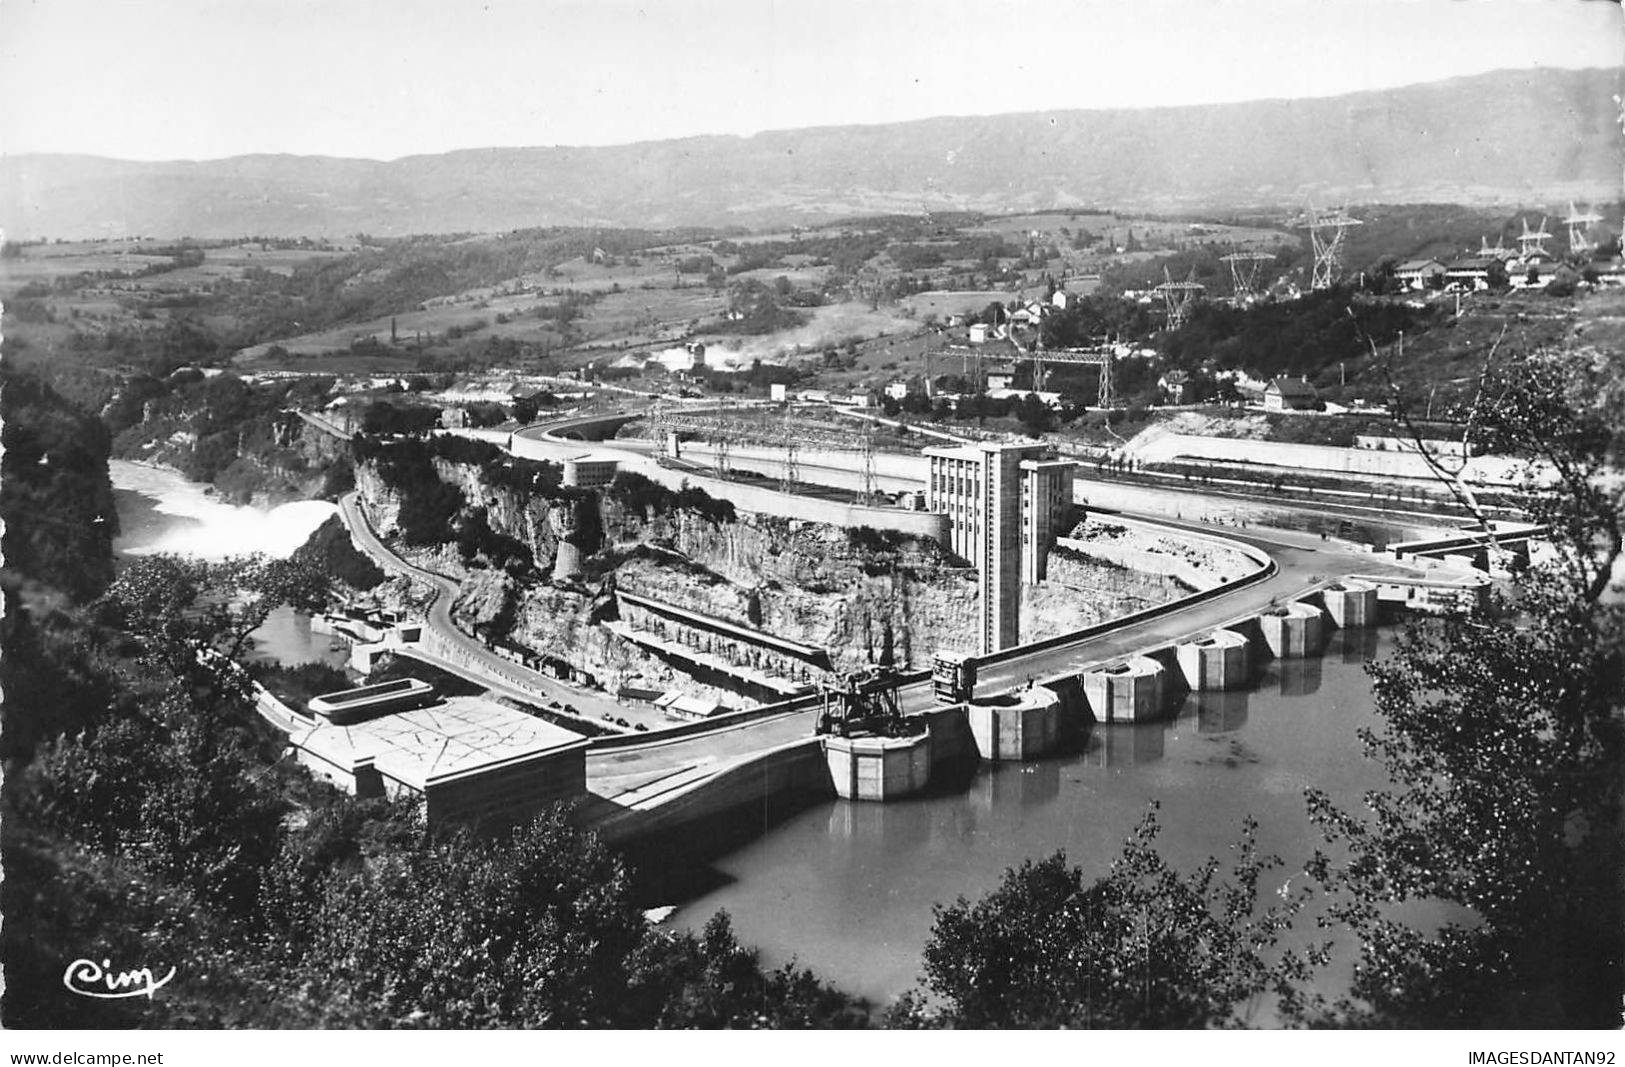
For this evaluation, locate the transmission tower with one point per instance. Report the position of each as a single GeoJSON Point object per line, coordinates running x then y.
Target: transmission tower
{"type": "Point", "coordinates": [1578, 222]}
{"type": "Point", "coordinates": [792, 446]}
{"type": "Point", "coordinates": [867, 445]}
{"type": "Point", "coordinates": [1179, 297]}
{"type": "Point", "coordinates": [1106, 378]}
{"type": "Point", "coordinates": [1500, 251]}
{"type": "Point", "coordinates": [1531, 243]}
{"type": "Point", "coordinates": [722, 438]}
{"type": "Point", "coordinates": [656, 420]}
{"type": "Point", "coordinates": [1326, 233]}
{"type": "Point", "coordinates": [1244, 268]}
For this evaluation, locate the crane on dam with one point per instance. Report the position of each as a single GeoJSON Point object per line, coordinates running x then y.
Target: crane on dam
{"type": "Point", "coordinates": [865, 703]}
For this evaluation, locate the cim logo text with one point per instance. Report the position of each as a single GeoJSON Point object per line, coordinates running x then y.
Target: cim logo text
{"type": "Point", "coordinates": [90, 979]}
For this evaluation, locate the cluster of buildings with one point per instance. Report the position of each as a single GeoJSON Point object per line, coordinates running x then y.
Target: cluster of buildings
{"type": "Point", "coordinates": [1528, 267]}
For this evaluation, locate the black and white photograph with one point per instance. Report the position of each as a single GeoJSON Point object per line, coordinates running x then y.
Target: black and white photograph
{"type": "Point", "coordinates": [600, 515]}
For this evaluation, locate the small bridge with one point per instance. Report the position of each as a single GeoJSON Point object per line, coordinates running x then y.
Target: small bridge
{"type": "Point", "coordinates": [1475, 544]}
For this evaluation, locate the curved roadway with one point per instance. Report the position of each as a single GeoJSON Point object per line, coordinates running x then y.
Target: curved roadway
{"type": "Point", "coordinates": [473, 660]}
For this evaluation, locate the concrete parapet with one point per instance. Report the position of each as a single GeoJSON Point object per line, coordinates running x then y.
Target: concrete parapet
{"type": "Point", "coordinates": [1218, 660]}
{"type": "Point", "coordinates": [1293, 630]}
{"type": "Point", "coordinates": [1351, 603]}
{"type": "Point", "coordinates": [1021, 726]}
{"type": "Point", "coordinates": [952, 744]}
{"type": "Point", "coordinates": [1129, 691]}
{"type": "Point", "coordinates": [878, 768]}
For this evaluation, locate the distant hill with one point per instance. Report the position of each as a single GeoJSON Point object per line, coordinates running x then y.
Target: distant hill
{"type": "Point", "coordinates": [1523, 136]}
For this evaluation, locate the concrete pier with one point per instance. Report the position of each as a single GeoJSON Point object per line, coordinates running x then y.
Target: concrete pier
{"type": "Point", "coordinates": [1218, 660]}
{"type": "Point", "coordinates": [1293, 630]}
{"type": "Point", "coordinates": [1351, 603]}
{"type": "Point", "coordinates": [878, 768]}
{"type": "Point", "coordinates": [1022, 726]}
{"type": "Point", "coordinates": [1127, 691]}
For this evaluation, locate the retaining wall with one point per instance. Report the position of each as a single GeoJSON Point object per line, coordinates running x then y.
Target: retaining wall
{"type": "Point", "coordinates": [761, 500]}
{"type": "Point", "coordinates": [1488, 470]}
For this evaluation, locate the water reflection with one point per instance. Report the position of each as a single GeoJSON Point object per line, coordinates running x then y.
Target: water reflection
{"type": "Point", "coordinates": [1218, 713]}
{"type": "Point", "coordinates": [1128, 744]}
{"type": "Point", "coordinates": [1008, 787]}
{"type": "Point", "coordinates": [1353, 646]}
{"type": "Point", "coordinates": [1299, 677]}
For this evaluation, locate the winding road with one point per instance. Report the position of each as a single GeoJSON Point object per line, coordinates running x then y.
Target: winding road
{"type": "Point", "coordinates": [449, 648]}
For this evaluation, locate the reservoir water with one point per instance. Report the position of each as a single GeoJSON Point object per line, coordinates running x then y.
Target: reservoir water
{"type": "Point", "coordinates": [847, 888]}
{"type": "Point", "coordinates": [160, 511]}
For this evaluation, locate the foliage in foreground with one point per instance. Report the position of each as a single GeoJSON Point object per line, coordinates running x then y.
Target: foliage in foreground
{"type": "Point", "coordinates": [187, 843]}
{"type": "Point", "coordinates": [1503, 735]}
{"type": "Point", "coordinates": [1145, 946]}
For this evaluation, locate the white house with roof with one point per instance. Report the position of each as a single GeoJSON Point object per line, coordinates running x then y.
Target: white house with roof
{"type": "Point", "coordinates": [1290, 394]}
{"type": "Point", "coordinates": [1419, 273]}
{"type": "Point", "coordinates": [1533, 276]}
{"type": "Point", "coordinates": [1472, 273]}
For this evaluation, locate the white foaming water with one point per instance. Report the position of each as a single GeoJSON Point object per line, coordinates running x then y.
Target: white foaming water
{"type": "Point", "coordinates": [213, 529]}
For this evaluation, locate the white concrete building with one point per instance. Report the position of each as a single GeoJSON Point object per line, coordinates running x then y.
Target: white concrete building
{"type": "Point", "coordinates": [1004, 505]}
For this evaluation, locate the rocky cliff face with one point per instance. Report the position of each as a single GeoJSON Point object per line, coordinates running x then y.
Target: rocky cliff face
{"type": "Point", "coordinates": [866, 598]}
{"type": "Point", "coordinates": [381, 504]}
{"type": "Point", "coordinates": [883, 602]}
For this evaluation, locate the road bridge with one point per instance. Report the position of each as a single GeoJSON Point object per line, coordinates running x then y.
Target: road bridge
{"type": "Point", "coordinates": [1506, 536]}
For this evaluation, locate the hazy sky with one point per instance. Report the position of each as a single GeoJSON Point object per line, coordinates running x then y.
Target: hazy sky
{"type": "Point", "coordinates": [195, 79]}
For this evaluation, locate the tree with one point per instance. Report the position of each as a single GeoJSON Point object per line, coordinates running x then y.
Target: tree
{"type": "Point", "coordinates": [1035, 415]}
{"type": "Point", "coordinates": [55, 496]}
{"type": "Point", "coordinates": [1505, 763]}
{"type": "Point", "coordinates": [525, 409]}
{"type": "Point", "coordinates": [177, 607]}
{"type": "Point", "coordinates": [533, 930]}
{"type": "Point", "coordinates": [164, 776]}
{"type": "Point", "coordinates": [1143, 946]}
{"type": "Point", "coordinates": [684, 981]}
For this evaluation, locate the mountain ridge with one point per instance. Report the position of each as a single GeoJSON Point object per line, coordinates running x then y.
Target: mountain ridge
{"type": "Point", "coordinates": [1479, 139]}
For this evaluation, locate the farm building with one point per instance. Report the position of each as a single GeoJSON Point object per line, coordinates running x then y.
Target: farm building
{"type": "Point", "coordinates": [1473, 273]}
{"type": "Point", "coordinates": [1290, 394]}
{"type": "Point", "coordinates": [1419, 273]}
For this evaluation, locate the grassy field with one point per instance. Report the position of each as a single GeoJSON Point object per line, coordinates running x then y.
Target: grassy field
{"type": "Point", "coordinates": [46, 263]}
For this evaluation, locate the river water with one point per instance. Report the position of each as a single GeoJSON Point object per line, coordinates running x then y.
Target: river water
{"type": "Point", "coordinates": [847, 888]}
{"type": "Point", "coordinates": [160, 511]}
